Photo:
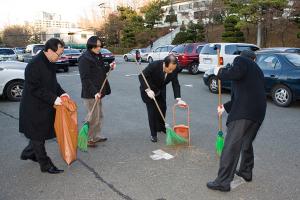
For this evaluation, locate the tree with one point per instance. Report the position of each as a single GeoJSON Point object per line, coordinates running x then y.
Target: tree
{"type": "Point", "coordinates": [232, 32]}
{"type": "Point", "coordinates": [128, 38]}
{"type": "Point", "coordinates": [133, 24]}
{"type": "Point", "coordinates": [153, 13]}
{"type": "Point", "coordinates": [171, 17]}
{"type": "Point", "coordinates": [112, 29]}
{"type": "Point", "coordinates": [16, 35]}
{"type": "Point", "coordinates": [256, 12]}
{"type": "Point", "coordinates": [192, 33]}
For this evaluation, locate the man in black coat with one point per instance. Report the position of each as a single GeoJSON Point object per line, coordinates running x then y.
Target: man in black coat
{"type": "Point", "coordinates": [158, 74]}
{"type": "Point", "coordinates": [37, 113]}
{"type": "Point", "coordinates": [93, 72]}
{"type": "Point", "coordinates": [247, 110]}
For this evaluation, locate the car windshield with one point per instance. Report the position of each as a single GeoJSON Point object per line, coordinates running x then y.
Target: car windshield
{"type": "Point", "coordinates": [294, 59]}
{"type": "Point", "coordinates": [6, 52]}
{"type": "Point", "coordinates": [178, 49]}
{"type": "Point", "coordinates": [210, 49]}
{"type": "Point", "coordinates": [143, 50]}
{"type": "Point", "coordinates": [38, 48]}
{"type": "Point", "coordinates": [105, 51]}
{"type": "Point", "coordinates": [71, 51]}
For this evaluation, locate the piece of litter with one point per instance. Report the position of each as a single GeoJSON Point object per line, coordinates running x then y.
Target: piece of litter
{"type": "Point", "coordinates": [160, 154]}
{"type": "Point", "coordinates": [237, 182]}
{"type": "Point", "coordinates": [190, 85]}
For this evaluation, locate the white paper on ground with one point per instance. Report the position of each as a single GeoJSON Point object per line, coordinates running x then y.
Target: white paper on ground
{"type": "Point", "coordinates": [160, 154]}
{"type": "Point", "coordinates": [237, 181]}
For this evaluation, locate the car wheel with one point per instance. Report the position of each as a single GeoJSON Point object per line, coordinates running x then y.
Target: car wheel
{"type": "Point", "coordinates": [193, 69]}
{"type": "Point", "coordinates": [213, 85]}
{"type": "Point", "coordinates": [282, 95]}
{"type": "Point", "coordinates": [14, 90]}
{"type": "Point", "coordinates": [126, 58]}
{"type": "Point", "coordinates": [66, 69]}
{"type": "Point", "coordinates": [150, 59]}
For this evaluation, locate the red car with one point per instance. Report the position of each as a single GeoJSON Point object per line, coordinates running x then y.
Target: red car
{"type": "Point", "coordinates": [188, 56]}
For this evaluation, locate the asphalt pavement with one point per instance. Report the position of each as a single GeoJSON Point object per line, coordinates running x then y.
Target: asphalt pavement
{"type": "Point", "coordinates": [121, 168]}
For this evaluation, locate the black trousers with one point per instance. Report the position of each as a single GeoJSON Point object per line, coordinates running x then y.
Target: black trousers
{"type": "Point", "coordinates": [238, 142]}
{"type": "Point", "coordinates": [156, 123]}
{"type": "Point", "coordinates": [36, 149]}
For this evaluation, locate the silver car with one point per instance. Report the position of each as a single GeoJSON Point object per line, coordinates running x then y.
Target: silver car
{"type": "Point", "coordinates": [130, 56]}
{"type": "Point", "coordinates": [7, 54]}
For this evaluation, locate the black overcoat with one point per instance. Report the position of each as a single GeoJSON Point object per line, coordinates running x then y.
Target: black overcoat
{"type": "Point", "coordinates": [41, 89]}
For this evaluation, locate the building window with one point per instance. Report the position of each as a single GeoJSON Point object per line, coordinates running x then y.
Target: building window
{"type": "Point", "coordinates": [83, 36]}
{"type": "Point", "coordinates": [57, 35]}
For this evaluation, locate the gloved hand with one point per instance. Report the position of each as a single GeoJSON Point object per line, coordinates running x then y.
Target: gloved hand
{"type": "Point", "coordinates": [180, 102]}
{"type": "Point", "coordinates": [216, 70]}
{"type": "Point", "coordinates": [113, 65]}
{"type": "Point", "coordinates": [65, 95]}
{"type": "Point", "coordinates": [97, 96]}
{"type": "Point", "coordinates": [221, 109]}
{"type": "Point", "coordinates": [58, 101]}
{"type": "Point", "coordinates": [150, 93]}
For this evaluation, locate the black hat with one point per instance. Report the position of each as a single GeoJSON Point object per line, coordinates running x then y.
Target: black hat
{"type": "Point", "coordinates": [248, 54]}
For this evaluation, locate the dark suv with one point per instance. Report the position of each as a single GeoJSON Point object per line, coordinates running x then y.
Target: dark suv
{"type": "Point", "coordinates": [188, 56]}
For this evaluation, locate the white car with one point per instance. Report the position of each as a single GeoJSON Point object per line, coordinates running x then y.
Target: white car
{"type": "Point", "coordinates": [208, 58]}
{"type": "Point", "coordinates": [160, 53]}
{"type": "Point", "coordinates": [131, 56]}
{"type": "Point", "coordinates": [7, 54]}
{"type": "Point", "coordinates": [31, 51]}
{"type": "Point", "coordinates": [12, 79]}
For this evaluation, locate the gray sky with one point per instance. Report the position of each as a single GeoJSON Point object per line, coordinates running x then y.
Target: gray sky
{"type": "Point", "coordinates": [18, 11]}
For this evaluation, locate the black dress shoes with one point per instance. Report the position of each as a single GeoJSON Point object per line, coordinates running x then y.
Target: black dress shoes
{"type": "Point", "coordinates": [216, 186]}
{"type": "Point", "coordinates": [53, 170]}
{"type": "Point", "coordinates": [153, 139]}
{"type": "Point", "coordinates": [33, 158]}
{"type": "Point", "coordinates": [247, 179]}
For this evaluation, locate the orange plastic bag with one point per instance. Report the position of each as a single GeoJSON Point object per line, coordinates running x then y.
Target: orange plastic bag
{"type": "Point", "coordinates": [66, 129]}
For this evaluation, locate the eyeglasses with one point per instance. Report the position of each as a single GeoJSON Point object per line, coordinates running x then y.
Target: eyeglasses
{"type": "Point", "coordinates": [59, 55]}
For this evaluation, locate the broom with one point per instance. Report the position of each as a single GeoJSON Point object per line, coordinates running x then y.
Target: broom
{"type": "Point", "coordinates": [83, 133]}
{"type": "Point", "coordinates": [172, 138]}
{"type": "Point", "coordinates": [220, 135]}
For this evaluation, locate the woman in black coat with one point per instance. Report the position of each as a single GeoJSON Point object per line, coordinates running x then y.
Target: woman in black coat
{"type": "Point", "coordinates": [92, 74]}
{"type": "Point", "coordinates": [37, 113]}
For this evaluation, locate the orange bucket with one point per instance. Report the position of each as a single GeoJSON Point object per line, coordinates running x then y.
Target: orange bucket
{"type": "Point", "coordinates": [182, 129]}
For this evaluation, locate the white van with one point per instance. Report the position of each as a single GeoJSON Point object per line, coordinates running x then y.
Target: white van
{"type": "Point", "coordinates": [208, 58]}
{"type": "Point", "coordinates": [160, 53]}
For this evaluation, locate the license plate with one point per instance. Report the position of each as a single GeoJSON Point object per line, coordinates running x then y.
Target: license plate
{"type": "Point", "coordinates": [207, 61]}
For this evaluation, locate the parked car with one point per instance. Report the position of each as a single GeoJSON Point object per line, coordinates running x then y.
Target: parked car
{"type": "Point", "coordinates": [130, 56]}
{"type": "Point", "coordinates": [107, 56]}
{"type": "Point", "coordinates": [12, 79]}
{"type": "Point", "coordinates": [20, 51]}
{"type": "Point", "coordinates": [63, 63]}
{"type": "Point", "coordinates": [283, 49]}
{"type": "Point", "coordinates": [188, 56]}
{"type": "Point", "coordinates": [72, 55]}
{"type": "Point", "coordinates": [7, 54]}
{"type": "Point", "coordinates": [159, 53]}
{"type": "Point", "coordinates": [32, 50]}
{"type": "Point", "coordinates": [228, 51]}
{"type": "Point", "coordinates": [282, 77]}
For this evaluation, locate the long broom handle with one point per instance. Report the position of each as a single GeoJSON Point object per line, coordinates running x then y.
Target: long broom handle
{"type": "Point", "coordinates": [160, 112]}
{"type": "Point", "coordinates": [101, 89]}
{"type": "Point", "coordinates": [220, 91]}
